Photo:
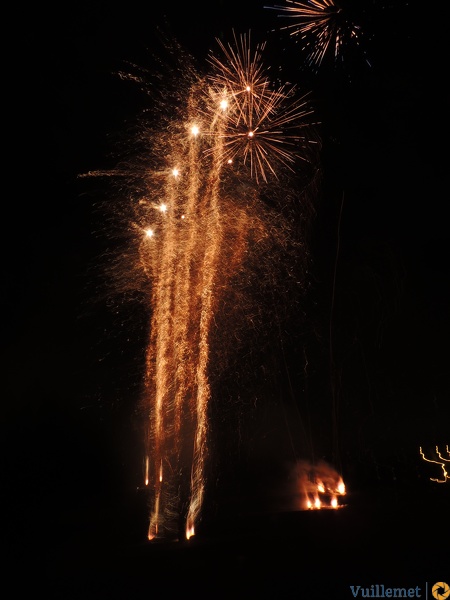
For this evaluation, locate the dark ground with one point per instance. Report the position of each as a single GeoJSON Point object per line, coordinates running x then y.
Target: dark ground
{"type": "Point", "coordinates": [97, 549]}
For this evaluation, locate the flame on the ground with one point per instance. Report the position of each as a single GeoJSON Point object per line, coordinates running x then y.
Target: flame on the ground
{"type": "Point", "coordinates": [319, 485]}
{"type": "Point", "coordinates": [190, 531]}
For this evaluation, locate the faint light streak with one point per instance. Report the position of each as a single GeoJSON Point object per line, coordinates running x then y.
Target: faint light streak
{"type": "Point", "coordinates": [441, 462]}
{"type": "Point", "coordinates": [147, 464]}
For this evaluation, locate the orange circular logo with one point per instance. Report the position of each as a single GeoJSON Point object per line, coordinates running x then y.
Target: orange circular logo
{"type": "Point", "coordinates": [440, 590]}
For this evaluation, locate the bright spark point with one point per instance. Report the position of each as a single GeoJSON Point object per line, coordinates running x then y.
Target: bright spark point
{"type": "Point", "coordinates": [163, 208]}
{"type": "Point", "coordinates": [195, 130]}
{"type": "Point", "coordinates": [175, 172]}
{"type": "Point", "coordinates": [149, 233]}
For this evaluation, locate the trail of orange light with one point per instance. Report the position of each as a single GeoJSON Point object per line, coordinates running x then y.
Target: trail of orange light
{"type": "Point", "coordinates": [209, 285]}
{"type": "Point", "coordinates": [183, 312]}
{"type": "Point", "coordinates": [146, 479]}
{"type": "Point", "coordinates": [440, 462]}
{"type": "Point", "coordinates": [186, 284]}
{"type": "Point", "coordinates": [162, 323]}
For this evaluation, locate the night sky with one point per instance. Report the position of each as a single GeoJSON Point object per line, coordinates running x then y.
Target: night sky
{"type": "Point", "coordinates": [73, 351]}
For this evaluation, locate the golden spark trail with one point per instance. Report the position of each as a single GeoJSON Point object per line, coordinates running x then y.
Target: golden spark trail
{"type": "Point", "coordinates": [162, 322]}
{"type": "Point", "coordinates": [185, 306]}
{"type": "Point", "coordinates": [184, 303]}
{"type": "Point", "coordinates": [209, 285]}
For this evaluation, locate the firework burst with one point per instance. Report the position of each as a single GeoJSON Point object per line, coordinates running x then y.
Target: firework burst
{"type": "Point", "coordinates": [322, 27]}
{"type": "Point", "coordinates": [263, 126]}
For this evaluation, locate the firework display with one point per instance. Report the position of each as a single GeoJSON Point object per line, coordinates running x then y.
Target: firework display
{"type": "Point", "coordinates": [207, 247]}
{"type": "Point", "coordinates": [210, 179]}
{"type": "Point", "coordinates": [226, 320]}
{"type": "Point", "coordinates": [237, 129]}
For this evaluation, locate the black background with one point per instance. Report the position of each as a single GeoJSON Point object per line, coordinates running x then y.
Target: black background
{"type": "Point", "coordinates": [72, 356]}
